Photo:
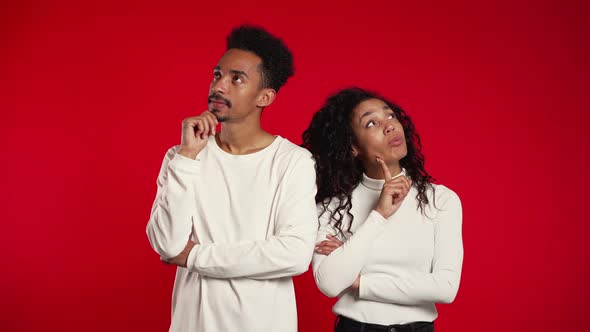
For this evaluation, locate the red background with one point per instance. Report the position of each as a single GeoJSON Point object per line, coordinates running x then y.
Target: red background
{"type": "Point", "coordinates": [92, 95]}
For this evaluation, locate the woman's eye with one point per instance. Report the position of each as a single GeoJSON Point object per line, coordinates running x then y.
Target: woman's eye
{"type": "Point", "coordinates": [391, 116]}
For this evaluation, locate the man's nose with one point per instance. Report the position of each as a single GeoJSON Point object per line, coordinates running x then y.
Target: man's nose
{"type": "Point", "coordinates": [219, 85]}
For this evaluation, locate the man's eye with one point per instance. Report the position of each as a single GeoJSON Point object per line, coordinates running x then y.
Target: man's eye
{"type": "Point", "coordinates": [238, 79]}
{"type": "Point", "coordinates": [391, 116]}
{"type": "Point", "coordinates": [216, 75]}
{"type": "Point", "coordinates": [370, 124]}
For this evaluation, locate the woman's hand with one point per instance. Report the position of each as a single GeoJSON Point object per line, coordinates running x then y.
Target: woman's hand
{"type": "Point", "coordinates": [393, 193]}
{"type": "Point", "coordinates": [327, 246]}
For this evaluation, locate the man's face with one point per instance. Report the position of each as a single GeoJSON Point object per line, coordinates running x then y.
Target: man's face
{"type": "Point", "coordinates": [235, 90]}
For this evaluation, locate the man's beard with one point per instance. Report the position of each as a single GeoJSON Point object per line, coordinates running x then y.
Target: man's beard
{"type": "Point", "coordinates": [219, 118]}
{"type": "Point", "coordinates": [219, 98]}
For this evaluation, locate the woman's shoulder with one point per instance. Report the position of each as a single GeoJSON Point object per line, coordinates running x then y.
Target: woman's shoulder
{"type": "Point", "coordinates": [443, 194]}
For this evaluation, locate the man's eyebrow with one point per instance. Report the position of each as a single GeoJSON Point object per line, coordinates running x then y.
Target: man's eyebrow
{"type": "Point", "coordinates": [238, 72]}
{"type": "Point", "coordinates": [233, 71]}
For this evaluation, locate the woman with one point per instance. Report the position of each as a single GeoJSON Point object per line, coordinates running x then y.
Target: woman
{"type": "Point", "coordinates": [389, 243]}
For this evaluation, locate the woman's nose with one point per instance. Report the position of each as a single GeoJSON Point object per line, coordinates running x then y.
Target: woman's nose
{"type": "Point", "coordinates": [389, 128]}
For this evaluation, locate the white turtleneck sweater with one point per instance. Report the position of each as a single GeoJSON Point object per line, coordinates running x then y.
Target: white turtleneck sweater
{"type": "Point", "coordinates": [255, 218]}
{"type": "Point", "coordinates": [406, 263]}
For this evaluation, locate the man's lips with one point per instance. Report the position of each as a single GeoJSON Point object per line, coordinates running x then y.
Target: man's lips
{"type": "Point", "coordinates": [218, 103]}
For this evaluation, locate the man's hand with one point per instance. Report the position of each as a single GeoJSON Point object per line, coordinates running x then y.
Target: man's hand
{"type": "Point", "coordinates": [356, 284]}
{"type": "Point", "coordinates": [180, 260]}
{"type": "Point", "coordinates": [195, 133]}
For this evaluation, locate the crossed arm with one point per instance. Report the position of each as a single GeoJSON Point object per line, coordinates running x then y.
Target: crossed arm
{"type": "Point", "coordinates": [337, 266]}
{"type": "Point", "coordinates": [286, 253]}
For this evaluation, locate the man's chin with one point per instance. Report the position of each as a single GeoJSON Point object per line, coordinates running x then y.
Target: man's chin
{"type": "Point", "coordinates": [218, 116]}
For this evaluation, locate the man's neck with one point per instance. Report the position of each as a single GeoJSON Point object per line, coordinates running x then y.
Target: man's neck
{"type": "Point", "coordinates": [241, 138]}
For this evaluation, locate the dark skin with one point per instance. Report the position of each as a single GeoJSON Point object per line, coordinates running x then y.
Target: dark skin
{"type": "Point", "coordinates": [236, 101]}
{"type": "Point", "coordinates": [181, 259]}
{"type": "Point", "coordinates": [381, 145]}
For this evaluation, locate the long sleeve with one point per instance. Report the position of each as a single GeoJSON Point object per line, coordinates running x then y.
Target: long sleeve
{"type": "Point", "coordinates": [439, 286]}
{"type": "Point", "coordinates": [336, 272]}
{"type": "Point", "coordinates": [170, 224]}
{"type": "Point", "coordinates": [286, 253]}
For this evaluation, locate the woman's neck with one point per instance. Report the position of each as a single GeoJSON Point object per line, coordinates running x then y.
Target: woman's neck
{"type": "Point", "coordinates": [375, 171]}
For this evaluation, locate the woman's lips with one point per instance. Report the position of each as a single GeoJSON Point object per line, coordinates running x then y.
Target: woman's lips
{"type": "Point", "coordinates": [396, 141]}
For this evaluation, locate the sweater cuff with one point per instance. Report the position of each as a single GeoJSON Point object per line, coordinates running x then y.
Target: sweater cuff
{"type": "Point", "coordinates": [363, 289]}
{"type": "Point", "coordinates": [191, 260]}
{"type": "Point", "coordinates": [185, 165]}
{"type": "Point", "coordinates": [376, 218]}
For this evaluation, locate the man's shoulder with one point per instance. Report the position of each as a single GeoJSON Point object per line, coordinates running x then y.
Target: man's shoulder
{"type": "Point", "coordinates": [293, 159]}
{"type": "Point", "coordinates": [288, 149]}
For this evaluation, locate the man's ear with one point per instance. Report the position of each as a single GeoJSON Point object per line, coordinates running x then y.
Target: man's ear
{"type": "Point", "coordinates": [266, 97]}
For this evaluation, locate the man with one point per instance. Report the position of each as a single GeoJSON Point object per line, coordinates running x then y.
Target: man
{"type": "Point", "coordinates": [235, 210]}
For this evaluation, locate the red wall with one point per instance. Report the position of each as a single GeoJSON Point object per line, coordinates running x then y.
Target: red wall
{"type": "Point", "coordinates": [92, 95]}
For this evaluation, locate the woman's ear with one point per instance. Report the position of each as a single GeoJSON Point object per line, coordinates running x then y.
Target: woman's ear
{"type": "Point", "coordinates": [267, 96]}
{"type": "Point", "coordinates": [355, 151]}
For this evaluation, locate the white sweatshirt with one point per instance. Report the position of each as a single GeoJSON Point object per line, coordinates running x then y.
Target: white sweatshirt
{"type": "Point", "coordinates": [255, 219]}
{"type": "Point", "coordinates": [407, 262]}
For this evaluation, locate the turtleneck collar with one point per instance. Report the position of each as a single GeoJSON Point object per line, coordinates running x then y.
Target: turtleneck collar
{"type": "Point", "coordinates": [377, 184]}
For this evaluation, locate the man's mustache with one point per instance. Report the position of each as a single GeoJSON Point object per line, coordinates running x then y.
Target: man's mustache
{"type": "Point", "coordinates": [218, 98]}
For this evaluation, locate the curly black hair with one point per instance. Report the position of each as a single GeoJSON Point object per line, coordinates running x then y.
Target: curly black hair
{"type": "Point", "coordinates": [277, 60]}
{"type": "Point", "coordinates": [329, 138]}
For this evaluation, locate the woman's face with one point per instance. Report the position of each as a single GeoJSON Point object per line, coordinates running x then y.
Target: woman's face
{"type": "Point", "coordinates": [378, 132]}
